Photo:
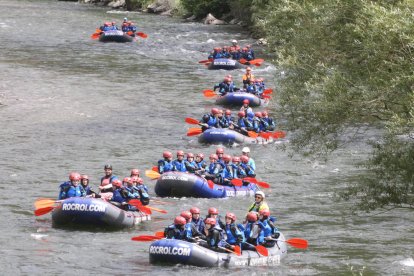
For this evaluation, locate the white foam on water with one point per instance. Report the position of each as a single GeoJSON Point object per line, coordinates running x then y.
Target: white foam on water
{"type": "Point", "coordinates": [38, 236]}
{"type": "Point", "coordinates": [407, 262]}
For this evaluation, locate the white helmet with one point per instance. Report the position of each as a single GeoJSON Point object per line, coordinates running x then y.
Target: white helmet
{"type": "Point", "coordinates": [246, 150]}
{"type": "Point", "coordinates": [234, 41]}
{"type": "Point", "coordinates": [125, 19]}
{"type": "Point", "coordinates": [260, 193]}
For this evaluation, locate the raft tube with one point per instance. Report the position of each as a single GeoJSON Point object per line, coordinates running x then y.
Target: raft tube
{"type": "Point", "coordinates": [179, 184]}
{"type": "Point", "coordinates": [89, 211]}
{"type": "Point", "coordinates": [228, 136]}
{"type": "Point", "coordinates": [226, 64]}
{"type": "Point", "coordinates": [115, 36]}
{"type": "Point", "coordinates": [169, 251]}
{"type": "Point", "coordinates": [237, 98]}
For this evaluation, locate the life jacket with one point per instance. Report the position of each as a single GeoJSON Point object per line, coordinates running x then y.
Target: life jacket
{"type": "Point", "coordinates": [179, 166]}
{"type": "Point", "coordinates": [199, 224]}
{"type": "Point", "coordinates": [165, 166]}
{"type": "Point", "coordinates": [267, 227]}
{"type": "Point", "coordinates": [119, 195]}
{"type": "Point", "coordinates": [227, 171]}
{"type": "Point", "coordinates": [247, 78]}
{"type": "Point", "coordinates": [258, 207]}
{"type": "Point", "coordinates": [190, 166]}
{"type": "Point", "coordinates": [253, 233]}
{"type": "Point", "coordinates": [73, 191]}
{"type": "Point", "coordinates": [214, 168]}
{"type": "Point", "coordinates": [172, 232]}
{"type": "Point", "coordinates": [234, 235]}
{"type": "Point", "coordinates": [132, 193]}
{"type": "Point", "coordinates": [238, 171]}
{"type": "Point", "coordinates": [63, 188]}
{"type": "Point", "coordinates": [212, 121]}
{"type": "Point", "coordinates": [107, 180]}
{"type": "Point", "coordinates": [252, 164]}
{"type": "Point", "coordinates": [215, 236]}
{"type": "Point", "coordinates": [202, 164]}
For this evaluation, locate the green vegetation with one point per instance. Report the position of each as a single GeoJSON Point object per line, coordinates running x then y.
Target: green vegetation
{"type": "Point", "coordinates": [200, 8]}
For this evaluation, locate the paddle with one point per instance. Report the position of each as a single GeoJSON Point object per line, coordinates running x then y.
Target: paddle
{"type": "Point", "coordinates": [97, 34]}
{"type": "Point", "coordinates": [159, 234]}
{"type": "Point", "coordinates": [237, 182]}
{"type": "Point", "coordinates": [256, 62]}
{"type": "Point", "coordinates": [209, 93]}
{"type": "Point", "coordinates": [152, 174]}
{"type": "Point", "coordinates": [44, 202]}
{"type": "Point", "coordinates": [236, 251]}
{"type": "Point", "coordinates": [192, 121]}
{"type": "Point", "coordinates": [259, 183]}
{"type": "Point", "coordinates": [260, 249]}
{"type": "Point", "coordinates": [145, 238]}
{"type": "Point", "coordinates": [249, 133]}
{"type": "Point", "coordinates": [43, 211]}
{"type": "Point", "coordinates": [140, 207]}
{"type": "Point", "coordinates": [141, 34]}
{"type": "Point", "coordinates": [138, 203]}
{"type": "Point", "coordinates": [265, 135]}
{"type": "Point", "coordinates": [155, 169]}
{"type": "Point", "coordinates": [279, 134]}
{"type": "Point", "coordinates": [268, 91]}
{"type": "Point", "coordinates": [194, 132]}
{"type": "Point", "coordinates": [206, 61]}
{"type": "Point", "coordinates": [295, 242]}
{"type": "Point", "coordinates": [266, 96]}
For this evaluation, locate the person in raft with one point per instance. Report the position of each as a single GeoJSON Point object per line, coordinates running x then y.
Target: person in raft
{"type": "Point", "coordinates": [71, 188]}
{"type": "Point", "coordinates": [166, 164]}
{"type": "Point", "coordinates": [259, 203]}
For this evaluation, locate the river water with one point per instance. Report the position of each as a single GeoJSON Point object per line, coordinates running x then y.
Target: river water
{"type": "Point", "coordinates": [70, 103]}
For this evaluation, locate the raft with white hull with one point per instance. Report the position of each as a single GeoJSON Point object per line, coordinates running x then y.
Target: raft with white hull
{"type": "Point", "coordinates": [94, 212]}
{"type": "Point", "coordinates": [180, 184]}
{"type": "Point", "coordinates": [170, 251]}
{"type": "Point", "coordinates": [228, 136]}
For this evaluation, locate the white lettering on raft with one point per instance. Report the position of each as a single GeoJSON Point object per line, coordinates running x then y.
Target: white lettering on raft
{"type": "Point", "coordinates": [83, 207]}
{"type": "Point", "coordinates": [228, 62]}
{"type": "Point", "coordinates": [165, 250]}
{"type": "Point", "coordinates": [174, 177]}
{"type": "Point", "coordinates": [271, 260]}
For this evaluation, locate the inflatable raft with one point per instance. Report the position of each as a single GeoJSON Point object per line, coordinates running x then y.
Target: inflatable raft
{"type": "Point", "coordinates": [94, 212]}
{"type": "Point", "coordinates": [179, 184]}
{"type": "Point", "coordinates": [237, 98]}
{"type": "Point", "coordinates": [168, 251]}
{"type": "Point", "coordinates": [225, 64]}
{"type": "Point", "coordinates": [228, 136]}
{"type": "Point", "coordinates": [115, 36]}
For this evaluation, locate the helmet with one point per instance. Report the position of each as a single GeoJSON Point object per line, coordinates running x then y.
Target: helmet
{"type": "Point", "coordinates": [200, 155]}
{"type": "Point", "coordinates": [84, 176]}
{"type": "Point", "coordinates": [241, 114]}
{"type": "Point", "coordinates": [244, 158]}
{"type": "Point", "coordinates": [244, 49]}
{"type": "Point", "coordinates": [180, 220]}
{"type": "Point", "coordinates": [226, 79]}
{"type": "Point", "coordinates": [226, 157]}
{"type": "Point", "coordinates": [215, 111]}
{"type": "Point", "coordinates": [258, 114]}
{"type": "Point", "coordinates": [225, 47]}
{"type": "Point", "coordinates": [125, 19]}
{"type": "Point", "coordinates": [189, 154]}
{"type": "Point", "coordinates": [236, 159]}
{"type": "Point", "coordinates": [229, 76]}
{"type": "Point", "coordinates": [117, 183]}
{"type": "Point", "coordinates": [264, 113]}
{"type": "Point", "coordinates": [212, 211]}
{"type": "Point", "coordinates": [186, 214]}
{"type": "Point", "coordinates": [194, 210]}
{"type": "Point", "coordinates": [113, 22]}
{"type": "Point", "coordinates": [219, 48]}
{"type": "Point", "coordinates": [234, 41]}
{"type": "Point", "coordinates": [265, 213]}
{"type": "Point", "coordinates": [231, 216]}
{"type": "Point", "coordinates": [251, 217]}
{"type": "Point", "coordinates": [74, 176]}
{"type": "Point", "coordinates": [108, 166]}
{"type": "Point", "coordinates": [248, 69]}
{"type": "Point", "coordinates": [139, 180]}
{"type": "Point", "coordinates": [211, 221]}
{"type": "Point", "coordinates": [248, 46]}
{"type": "Point", "coordinates": [213, 156]}
{"type": "Point", "coordinates": [134, 172]}
{"type": "Point", "coordinates": [260, 193]}
{"type": "Point", "coordinates": [167, 154]}
{"type": "Point", "coordinates": [127, 180]}
{"type": "Point", "coordinates": [106, 24]}
{"type": "Point", "coordinates": [246, 150]}
{"type": "Point", "coordinates": [180, 153]}
{"type": "Point", "coordinates": [246, 101]}
{"type": "Point", "coordinates": [219, 150]}
{"type": "Point", "coordinates": [228, 112]}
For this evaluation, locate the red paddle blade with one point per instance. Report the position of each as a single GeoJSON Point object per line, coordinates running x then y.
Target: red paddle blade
{"type": "Point", "coordinates": [205, 61]}
{"type": "Point", "coordinates": [210, 184]}
{"type": "Point", "coordinates": [242, 61]}
{"type": "Point", "coordinates": [144, 209]}
{"type": "Point", "coordinates": [252, 134]}
{"type": "Point", "coordinates": [95, 36]}
{"type": "Point", "coordinates": [237, 250]}
{"type": "Point", "coordinates": [145, 238]}
{"type": "Point", "coordinates": [268, 91]}
{"type": "Point", "coordinates": [159, 234]}
{"type": "Point", "coordinates": [141, 34]}
{"type": "Point", "coordinates": [298, 243]}
{"type": "Point", "coordinates": [157, 209]}
{"type": "Point", "coordinates": [263, 184]}
{"type": "Point", "coordinates": [262, 250]}
{"type": "Point", "coordinates": [209, 93]}
{"type": "Point", "coordinates": [237, 182]}
{"type": "Point", "coordinates": [250, 179]}
{"type": "Point", "coordinates": [191, 121]}
{"type": "Point", "coordinates": [265, 135]}
{"type": "Point", "coordinates": [43, 211]}
{"type": "Point", "coordinates": [257, 64]}
{"type": "Point", "coordinates": [279, 134]}
{"type": "Point", "coordinates": [194, 132]}
{"type": "Point", "coordinates": [155, 169]}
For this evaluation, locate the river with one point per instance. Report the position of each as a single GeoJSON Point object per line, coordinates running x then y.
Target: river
{"type": "Point", "coordinates": [69, 103]}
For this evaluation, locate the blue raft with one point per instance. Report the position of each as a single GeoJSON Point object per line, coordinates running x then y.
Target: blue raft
{"type": "Point", "coordinates": [76, 211]}
{"type": "Point", "coordinates": [237, 98]}
{"type": "Point", "coordinates": [179, 184]}
{"type": "Point", "coordinates": [115, 36]}
{"type": "Point", "coordinates": [225, 64]}
{"type": "Point", "coordinates": [228, 136]}
{"type": "Point", "coordinates": [173, 252]}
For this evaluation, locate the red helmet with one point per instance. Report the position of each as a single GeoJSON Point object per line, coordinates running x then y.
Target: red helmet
{"type": "Point", "coordinates": [117, 183]}
{"type": "Point", "coordinates": [84, 176]}
{"type": "Point", "coordinates": [180, 220]}
{"type": "Point", "coordinates": [236, 159]}
{"type": "Point", "coordinates": [211, 221]}
{"type": "Point", "coordinates": [241, 114]}
{"type": "Point", "coordinates": [265, 213]}
{"type": "Point", "coordinates": [258, 114]}
{"type": "Point", "coordinates": [244, 158]}
{"type": "Point", "coordinates": [244, 49]}
{"type": "Point", "coordinates": [226, 157]}
{"type": "Point", "coordinates": [190, 155]}
{"type": "Point", "coordinates": [248, 46]}
{"type": "Point", "coordinates": [264, 113]}
{"type": "Point", "coordinates": [228, 112]}
{"type": "Point", "coordinates": [74, 176]}
{"type": "Point", "coordinates": [186, 214]}
{"type": "Point", "coordinates": [180, 153]}
{"type": "Point", "coordinates": [200, 155]}
{"type": "Point", "coordinates": [219, 151]}
{"type": "Point", "coordinates": [134, 172]}
{"type": "Point", "coordinates": [213, 156]}
{"type": "Point", "coordinates": [127, 180]}
{"type": "Point", "coordinates": [246, 101]}
{"type": "Point", "coordinates": [194, 210]}
{"type": "Point", "coordinates": [251, 217]}
{"type": "Point", "coordinates": [139, 180]}
{"type": "Point", "coordinates": [229, 76]}
{"type": "Point", "coordinates": [216, 48]}
{"type": "Point", "coordinates": [167, 154]}
{"type": "Point", "coordinates": [231, 216]}
{"type": "Point", "coordinates": [212, 211]}
{"type": "Point", "coordinates": [215, 111]}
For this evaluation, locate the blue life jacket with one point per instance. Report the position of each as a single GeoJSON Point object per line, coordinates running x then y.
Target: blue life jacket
{"type": "Point", "coordinates": [249, 233]}
{"type": "Point", "coordinates": [178, 233]}
{"type": "Point", "coordinates": [248, 169]}
{"type": "Point", "coordinates": [199, 224]}
{"type": "Point", "coordinates": [251, 163]}
{"type": "Point", "coordinates": [212, 121]}
{"type": "Point", "coordinates": [238, 171]}
{"type": "Point", "coordinates": [117, 196]}
{"type": "Point", "coordinates": [190, 166]}
{"type": "Point", "coordinates": [232, 236]}
{"type": "Point", "coordinates": [263, 125]}
{"type": "Point", "coordinates": [213, 241]}
{"type": "Point", "coordinates": [73, 191]}
{"type": "Point", "coordinates": [132, 29]}
{"type": "Point", "coordinates": [141, 187]}
{"type": "Point", "coordinates": [179, 166]}
{"type": "Point", "coordinates": [132, 193]}
{"type": "Point", "coordinates": [106, 28]}
{"type": "Point", "coordinates": [86, 190]}
{"type": "Point", "coordinates": [165, 166]}
{"type": "Point", "coordinates": [201, 164]}
{"type": "Point", "coordinates": [227, 172]}
{"type": "Point", "coordinates": [214, 168]}
{"type": "Point", "coordinates": [63, 188]}
{"type": "Point", "coordinates": [270, 122]}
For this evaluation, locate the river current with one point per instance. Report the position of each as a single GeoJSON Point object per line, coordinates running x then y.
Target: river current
{"type": "Point", "coordinates": [69, 103]}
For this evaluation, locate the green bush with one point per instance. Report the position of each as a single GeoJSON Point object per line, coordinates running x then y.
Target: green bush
{"type": "Point", "coordinates": [200, 8]}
